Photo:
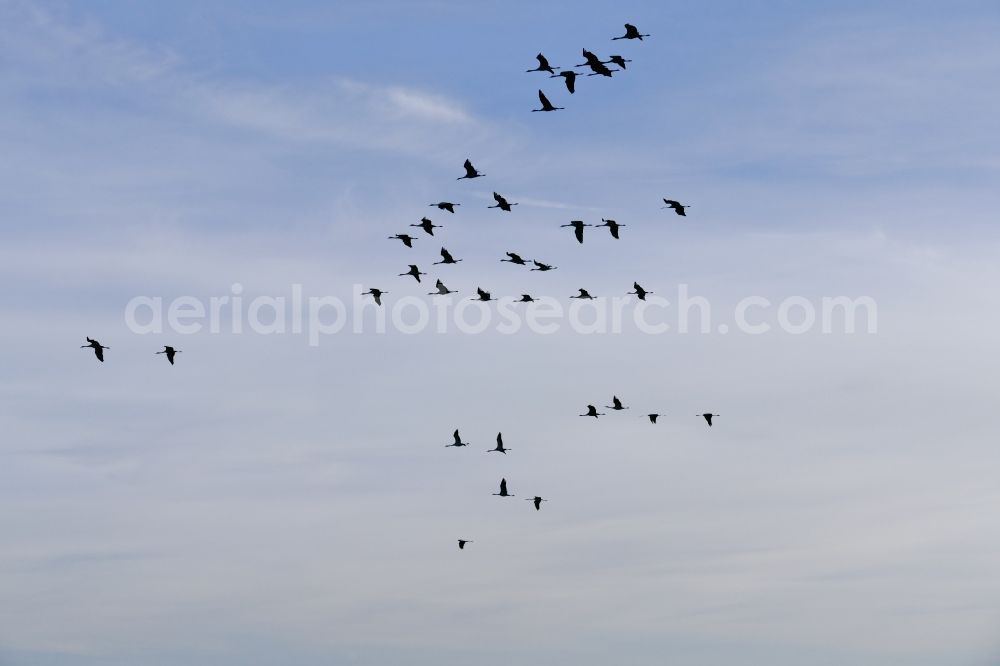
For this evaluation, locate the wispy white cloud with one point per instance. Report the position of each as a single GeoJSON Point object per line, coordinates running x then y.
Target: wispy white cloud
{"type": "Point", "coordinates": [340, 111]}
{"type": "Point", "coordinates": [51, 48]}
{"type": "Point", "coordinates": [55, 52]}
{"type": "Point", "coordinates": [424, 105]}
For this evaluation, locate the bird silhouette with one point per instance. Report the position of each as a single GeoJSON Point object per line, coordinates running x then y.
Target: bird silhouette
{"type": "Point", "coordinates": [462, 542]}
{"type": "Point", "coordinates": [631, 32]}
{"type": "Point", "coordinates": [502, 203]}
{"type": "Point", "coordinates": [458, 441]}
{"type": "Point", "coordinates": [376, 293]}
{"type": "Point", "coordinates": [414, 271]}
{"type": "Point", "coordinates": [97, 347]}
{"type": "Point", "coordinates": [578, 226]}
{"type": "Point", "coordinates": [500, 447]}
{"type": "Point", "coordinates": [526, 298]}
{"type": "Point", "coordinates": [652, 418]}
{"type": "Point", "coordinates": [600, 69]}
{"type": "Point", "coordinates": [585, 295]}
{"type": "Point", "coordinates": [539, 266]}
{"type": "Point", "coordinates": [441, 290]}
{"type": "Point", "coordinates": [639, 291]}
{"type": "Point", "coordinates": [427, 225]}
{"type": "Point", "coordinates": [446, 258]}
{"type": "Point", "coordinates": [592, 411]}
{"type": "Point", "coordinates": [406, 238]}
{"type": "Point", "coordinates": [169, 351]}
{"type": "Point", "coordinates": [537, 500]}
{"type": "Point", "coordinates": [483, 295]}
{"type": "Point", "coordinates": [543, 65]}
{"type": "Point", "coordinates": [618, 60]}
{"type": "Point", "coordinates": [515, 259]}
{"type": "Point", "coordinates": [503, 489]}
{"type": "Point", "coordinates": [546, 104]}
{"type": "Point", "coordinates": [676, 206]}
{"type": "Point", "coordinates": [446, 205]}
{"type": "Point", "coordinates": [569, 78]}
{"type": "Point", "coordinates": [470, 172]}
{"type": "Point", "coordinates": [616, 404]}
{"type": "Point", "coordinates": [708, 418]}
{"type": "Point", "coordinates": [596, 65]}
{"type": "Point", "coordinates": [612, 227]}
{"type": "Point", "coordinates": [591, 59]}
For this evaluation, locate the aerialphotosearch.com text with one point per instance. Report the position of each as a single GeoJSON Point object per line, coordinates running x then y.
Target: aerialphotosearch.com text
{"type": "Point", "coordinates": [317, 317]}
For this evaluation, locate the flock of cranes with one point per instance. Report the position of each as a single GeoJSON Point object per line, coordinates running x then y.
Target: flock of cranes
{"type": "Point", "coordinates": [617, 406]}
{"type": "Point", "coordinates": [503, 204]}
{"type": "Point", "coordinates": [99, 350]}
{"type": "Point", "coordinates": [597, 67]}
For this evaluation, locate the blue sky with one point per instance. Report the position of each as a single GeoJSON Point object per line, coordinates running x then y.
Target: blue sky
{"type": "Point", "coordinates": [265, 501]}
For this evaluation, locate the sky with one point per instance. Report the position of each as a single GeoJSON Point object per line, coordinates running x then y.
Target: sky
{"type": "Point", "coordinates": [271, 501]}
